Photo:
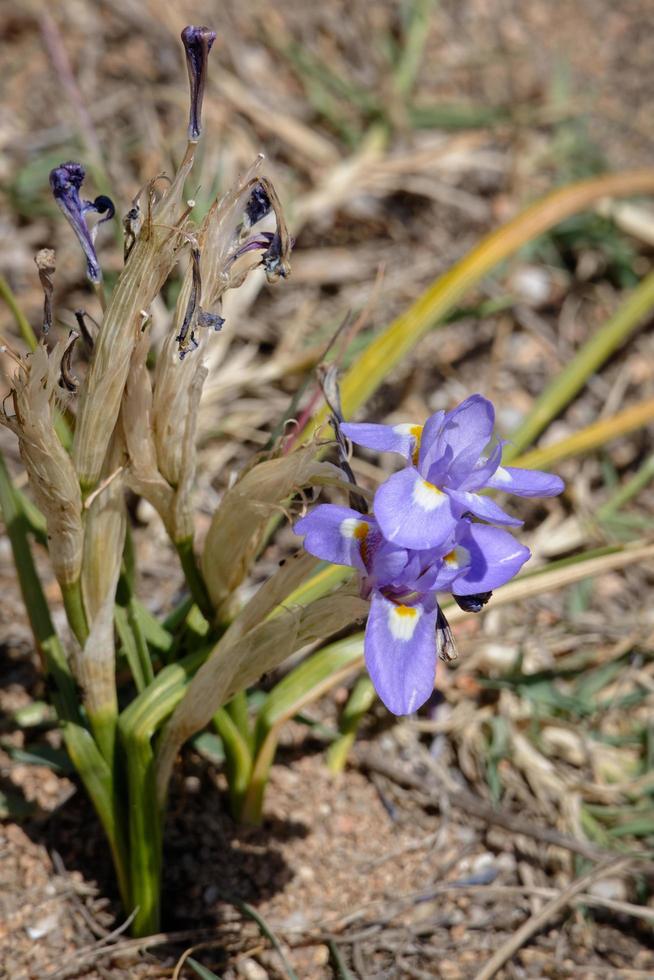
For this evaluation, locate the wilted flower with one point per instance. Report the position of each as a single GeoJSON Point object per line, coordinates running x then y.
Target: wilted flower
{"type": "Point", "coordinates": [197, 43]}
{"type": "Point", "coordinates": [66, 181]}
{"type": "Point", "coordinates": [419, 507]}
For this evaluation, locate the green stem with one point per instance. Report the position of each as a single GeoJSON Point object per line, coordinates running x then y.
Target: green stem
{"type": "Point", "coordinates": [193, 577]}
{"type": "Point", "coordinates": [56, 663]}
{"type": "Point", "coordinates": [142, 650]}
{"type": "Point", "coordinates": [359, 703]}
{"type": "Point", "coordinates": [84, 753]}
{"type": "Point", "coordinates": [74, 606]}
{"type": "Point", "coordinates": [238, 759]}
{"type": "Point", "coordinates": [238, 711]}
{"type": "Point", "coordinates": [137, 725]}
{"type": "Point", "coordinates": [586, 361]}
{"type": "Point", "coordinates": [410, 59]}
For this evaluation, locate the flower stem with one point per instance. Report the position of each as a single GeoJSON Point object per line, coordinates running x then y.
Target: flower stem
{"type": "Point", "coordinates": [238, 758]}
{"type": "Point", "coordinates": [194, 578]}
{"type": "Point", "coordinates": [74, 606]}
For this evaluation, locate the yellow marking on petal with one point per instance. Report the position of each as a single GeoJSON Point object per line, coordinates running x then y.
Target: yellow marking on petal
{"type": "Point", "coordinates": [402, 621]}
{"type": "Point", "coordinates": [352, 528]}
{"type": "Point", "coordinates": [361, 534]}
{"type": "Point", "coordinates": [427, 496]}
{"type": "Point", "coordinates": [459, 557]}
{"type": "Point", "coordinates": [416, 432]}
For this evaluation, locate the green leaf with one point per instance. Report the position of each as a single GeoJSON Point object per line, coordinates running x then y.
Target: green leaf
{"type": "Point", "coordinates": [202, 971]}
{"type": "Point", "coordinates": [43, 755]}
{"type": "Point", "coordinates": [393, 344]}
{"type": "Point", "coordinates": [306, 683]}
{"type": "Point", "coordinates": [360, 701]}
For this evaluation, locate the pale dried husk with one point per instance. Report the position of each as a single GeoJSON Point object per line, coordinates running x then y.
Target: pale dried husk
{"type": "Point", "coordinates": [51, 474]}
{"type": "Point", "coordinates": [104, 535]}
{"type": "Point", "coordinates": [179, 381]}
{"type": "Point", "coordinates": [155, 253]}
{"type": "Point", "coordinates": [238, 526]}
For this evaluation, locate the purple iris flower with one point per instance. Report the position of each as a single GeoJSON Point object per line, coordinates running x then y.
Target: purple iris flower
{"type": "Point", "coordinates": [401, 644]}
{"type": "Point", "coordinates": [420, 506]}
{"type": "Point", "coordinates": [66, 181]}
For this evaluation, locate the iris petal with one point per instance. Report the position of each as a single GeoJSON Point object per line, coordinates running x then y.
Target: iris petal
{"type": "Point", "coordinates": [402, 438]}
{"type": "Point", "coordinates": [526, 483]}
{"type": "Point", "coordinates": [400, 653]}
{"type": "Point", "coordinates": [482, 507]}
{"type": "Point", "coordinates": [495, 557]}
{"type": "Point", "coordinates": [336, 534]}
{"type": "Point", "coordinates": [412, 512]}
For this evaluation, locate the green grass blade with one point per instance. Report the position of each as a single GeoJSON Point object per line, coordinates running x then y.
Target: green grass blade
{"type": "Point", "coordinates": [594, 436]}
{"type": "Point", "coordinates": [393, 344]}
{"type": "Point", "coordinates": [586, 361]}
{"type": "Point", "coordinates": [202, 971]}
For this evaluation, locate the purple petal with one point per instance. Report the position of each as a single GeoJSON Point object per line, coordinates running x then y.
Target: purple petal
{"type": "Point", "coordinates": [484, 470]}
{"type": "Point", "coordinates": [465, 433]}
{"type": "Point", "coordinates": [526, 483]}
{"type": "Point", "coordinates": [337, 534]}
{"type": "Point", "coordinates": [482, 507]}
{"type": "Point", "coordinates": [403, 438]}
{"type": "Point", "coordinates": [430, 435]}
{"type": "Point", "coordinates": [400, 652]}
{"type": "Point", "coordinates": [66, 181]}
{"type": "Point", "coordinates": [490, 558]}
{"type": "Point", "coordinates": [413, 513]}
{"type": "Point", "coordinates": [387, 564]}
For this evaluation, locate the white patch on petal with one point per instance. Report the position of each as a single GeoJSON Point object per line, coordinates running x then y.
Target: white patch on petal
{"type": "Point", "coordinates": [404, 428]}
{"type": "Point", "coordinates": [458, 558]}
{"type": "Point", "coordinates": [349, 527]}
{"type": "Point", "coordinates": [402, 621]}
{"type": "Point", "coordinates": [427, 496]}
{"type": "Point", "coordinates": [502, 476]}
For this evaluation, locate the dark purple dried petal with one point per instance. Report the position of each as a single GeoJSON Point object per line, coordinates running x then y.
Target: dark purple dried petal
{"type": "Point", "coordinates": [66, 181]}
{"type": "Point", "coordinates": [197, 44]}
{"type": "Point", "coordinates": [472, 603]}
{"type": "Point", "coordinates": [258, 206]}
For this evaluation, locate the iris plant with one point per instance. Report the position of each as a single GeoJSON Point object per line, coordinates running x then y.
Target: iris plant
{"type": "Point", "coordinates": [426, 537]}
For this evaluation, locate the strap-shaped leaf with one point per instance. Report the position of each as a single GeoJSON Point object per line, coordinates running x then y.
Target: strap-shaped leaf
{"type": "Point", "coordinates": [306, 683]}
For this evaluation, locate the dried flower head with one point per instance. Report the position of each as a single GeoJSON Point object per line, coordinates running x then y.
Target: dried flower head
{"type": "Point", "coordinates": [51, 474]}
{"type": "Point", "coordinates": [66, 181]}
{"type": "Point", "coordinates": [197, 45]}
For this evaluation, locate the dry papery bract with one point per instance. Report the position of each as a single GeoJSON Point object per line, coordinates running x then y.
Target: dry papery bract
{"type": "Point", "coordinates": [51, 474]}
{"type": "Point", "coordinates": [239, 525]}
{"type": "Point", "coordinates": [149, 264]}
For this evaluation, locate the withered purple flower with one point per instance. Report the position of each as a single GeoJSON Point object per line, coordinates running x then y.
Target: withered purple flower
{"type": "Point", "coordinates": [257, 207]}
{"type": "Point", "coordinates": [197, 43]}
{"type": "Point", "coordinates": [66, 181]}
